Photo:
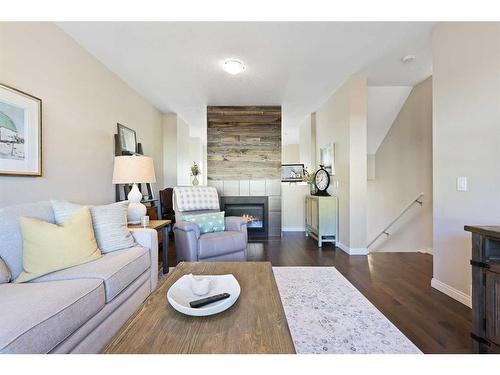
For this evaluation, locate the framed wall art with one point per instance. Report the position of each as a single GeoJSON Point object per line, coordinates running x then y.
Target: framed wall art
{"type": "Point", "coordinates": [20, 133]}
{"type": "Point", "coordinates": [128, 139]}
{"type": "Point", "coordinates": [292, 172]}
{"type": "Point", "coordinates": [327, 158]}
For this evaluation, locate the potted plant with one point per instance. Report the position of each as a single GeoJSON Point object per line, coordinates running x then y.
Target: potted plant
{"type": "Point", "coordinates": [195, 171]}
{"type": "Point", "coordinates": [309, 178]}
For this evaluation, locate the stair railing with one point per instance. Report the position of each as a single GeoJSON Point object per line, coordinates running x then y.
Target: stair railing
{"type": "Point", "coordinates": [418, 200]}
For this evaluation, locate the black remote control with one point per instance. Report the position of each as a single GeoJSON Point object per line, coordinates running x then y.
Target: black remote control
{"type": "Point", "coordinates": [205, 301]}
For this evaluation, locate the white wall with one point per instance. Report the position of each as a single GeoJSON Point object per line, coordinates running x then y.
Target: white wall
{"type": "Point", "coordinates": [82, 102]}
{"type": "Point", "coordinates": [403, 165]}
{"type": "Point", "coordinates": [466, 142]}
{"type": "Point", "coordinates": [342, 120]}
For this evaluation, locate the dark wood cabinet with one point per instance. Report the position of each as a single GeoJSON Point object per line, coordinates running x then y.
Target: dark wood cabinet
{"type": "Point", "coordinates": [493, 307]}
{"type": "Point", "coordinates": [485, 288]}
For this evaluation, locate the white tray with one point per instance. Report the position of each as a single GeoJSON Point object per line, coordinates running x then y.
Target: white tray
{"type": "Point", "coordinates": [180, 294]}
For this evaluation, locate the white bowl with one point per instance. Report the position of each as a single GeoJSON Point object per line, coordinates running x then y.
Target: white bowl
{"type": "Point", "coordinates": [180, 294]}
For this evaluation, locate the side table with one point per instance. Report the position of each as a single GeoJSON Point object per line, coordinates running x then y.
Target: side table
{"type": "Point", "coordinates": [163, 229]}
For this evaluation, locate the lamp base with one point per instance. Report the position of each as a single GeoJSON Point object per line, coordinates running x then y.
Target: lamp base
{"type": "Point", "coordinates": [136, 209]}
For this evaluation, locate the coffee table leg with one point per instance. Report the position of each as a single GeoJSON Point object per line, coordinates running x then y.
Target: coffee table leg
{"type": "Point", "coordinates": [165, 248]}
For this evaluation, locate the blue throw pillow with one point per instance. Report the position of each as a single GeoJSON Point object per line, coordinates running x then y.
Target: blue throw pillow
{"type": "Point", "coordinates": [208, 223]}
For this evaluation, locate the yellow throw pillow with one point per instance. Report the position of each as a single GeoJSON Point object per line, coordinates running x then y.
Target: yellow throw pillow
{"type": "Point", "coordinates": [50, 247]}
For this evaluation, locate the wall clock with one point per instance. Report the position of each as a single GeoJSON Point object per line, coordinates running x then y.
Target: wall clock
{"type": "Point", "coordinates": [322, 181]}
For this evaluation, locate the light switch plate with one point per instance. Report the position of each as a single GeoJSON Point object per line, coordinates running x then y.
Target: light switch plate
{"type": "Point", "coordinates": [462, 183]}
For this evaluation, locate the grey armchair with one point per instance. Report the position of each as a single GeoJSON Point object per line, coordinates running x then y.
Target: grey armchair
{"type": "Point", "coordinates": [191, 245]}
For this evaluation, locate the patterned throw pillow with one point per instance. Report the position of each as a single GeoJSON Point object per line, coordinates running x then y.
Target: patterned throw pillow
{"type": "Point", "coordinates": [110, 223]}
{"type": "Point", "coordinates": [208, 223]}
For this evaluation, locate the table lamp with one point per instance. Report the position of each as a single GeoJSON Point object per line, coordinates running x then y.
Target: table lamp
{"type": "Point", "coordinates": [134, 170]}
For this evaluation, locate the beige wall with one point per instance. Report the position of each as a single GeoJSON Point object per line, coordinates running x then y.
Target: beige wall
{"type": "Point", "coordinates": [307, 142]}
{"type": "Point", "coordinates": [290, 154]}
{"type": "Point", "coordinates": [342, 120]}
{"type": "Point", "coordinates": [180, 150]}
{"type": "Point", "coordinates": [82, 102]}
{"type": "Point", "coordinates": [183, 154]}
{"type": "Point", "coordinates": [170, 149]}
{"type": "Point", "coordinates": [403, 165]}
{"type": "Point", "coordinates": [466, 142]}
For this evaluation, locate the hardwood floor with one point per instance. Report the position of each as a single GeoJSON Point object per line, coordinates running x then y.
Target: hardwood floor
{"type": "Point", "coordinates": [398, 284]}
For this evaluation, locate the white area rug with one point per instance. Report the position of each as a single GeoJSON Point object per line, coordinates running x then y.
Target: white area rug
{"type": "Point", "coordinates": [327, 314]}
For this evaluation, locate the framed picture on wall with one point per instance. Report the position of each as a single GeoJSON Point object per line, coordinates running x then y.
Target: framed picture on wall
{"type": "Point", "coordinates": [327, 158]}
{"type": "Point", "coordinates": [292, 172]}
{"type": "Point", "coordinates": [20, 133]}
{"type": "Point", "coordinates": [128, 139]}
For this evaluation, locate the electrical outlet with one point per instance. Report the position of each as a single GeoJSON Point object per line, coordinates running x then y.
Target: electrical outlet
{"type": "Point", "coordinates": [462, 183]}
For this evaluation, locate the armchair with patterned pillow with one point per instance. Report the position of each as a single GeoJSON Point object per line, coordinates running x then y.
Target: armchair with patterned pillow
{"type": "Point", "coordinates": [208, 243]}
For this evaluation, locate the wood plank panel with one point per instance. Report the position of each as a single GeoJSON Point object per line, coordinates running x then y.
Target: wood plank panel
{"type": "Point", "coordinates": [243, 142]}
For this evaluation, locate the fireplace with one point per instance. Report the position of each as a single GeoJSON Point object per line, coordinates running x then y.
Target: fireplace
{"type": "Point", "coordinates": [254, 209]}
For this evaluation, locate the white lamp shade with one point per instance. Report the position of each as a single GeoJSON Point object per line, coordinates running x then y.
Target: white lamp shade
{"type": "Point", "coordinates": [133, 169]}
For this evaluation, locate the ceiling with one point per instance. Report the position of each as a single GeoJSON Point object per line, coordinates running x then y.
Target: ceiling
{"type": "Point", "coordinates": [177, 65]}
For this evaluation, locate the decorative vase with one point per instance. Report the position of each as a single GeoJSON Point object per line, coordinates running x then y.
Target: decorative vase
{"type": "Point", "coordinates": [195, 181]}
{"type": "Point", "coordinates": [313, 189]}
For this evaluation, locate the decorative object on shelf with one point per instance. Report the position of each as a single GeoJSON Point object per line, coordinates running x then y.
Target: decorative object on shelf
{"type": "Point", "coordinates": [127, 139]}
{"type": "Point", "coordinates": [322, 182]}
{"type": "Point", "coordinates": [327, 158]}
{"type": "Point", "coordinates": [134, 170]}
{"type": "Point", "coordinates": [309, 178]}
{"type": "Point", "coordinates": [20, 133]}
{"type": "Point", "coordinates": [292, 172]}
{"type": "Point", "coordinates": [195, 171]}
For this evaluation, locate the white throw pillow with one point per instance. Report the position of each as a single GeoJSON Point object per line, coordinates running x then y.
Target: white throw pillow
{"type": "Point", "coordinates": [109, 221]}
{"type": "Point", "coordinates": [5, 274]}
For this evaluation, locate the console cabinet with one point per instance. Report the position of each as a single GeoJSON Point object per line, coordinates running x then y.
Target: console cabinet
{"type": "Point", "coordinates": [321, 218]}
{"type": "Point", "coordinates": [485, 288]}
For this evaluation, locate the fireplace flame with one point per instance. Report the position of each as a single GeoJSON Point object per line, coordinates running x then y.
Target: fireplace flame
{"type": "Point", "coordinates": [250, 218]}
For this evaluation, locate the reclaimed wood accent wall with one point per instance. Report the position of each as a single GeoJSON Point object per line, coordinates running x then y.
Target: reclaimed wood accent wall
{"type": "Point", "coordinates": [243, 143]}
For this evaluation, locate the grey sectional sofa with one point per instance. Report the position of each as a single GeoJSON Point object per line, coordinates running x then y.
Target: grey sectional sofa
{"type": "Point", "coordinates": [76, 310]}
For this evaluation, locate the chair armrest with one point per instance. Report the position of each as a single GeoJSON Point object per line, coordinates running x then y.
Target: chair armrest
{"type": "Point", "coordinates": [186, 241]}
{"type": "Point", "coordinates": [236, 224]}
{"type": "Point", "coordinates": [148, 238]}
{"type": "Point", "coordinates": [186, 226]}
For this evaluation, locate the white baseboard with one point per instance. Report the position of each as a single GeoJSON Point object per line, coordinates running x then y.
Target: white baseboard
{"type": "Point", "coordinates": [425, 251]}
{"type": "Point", "coordinates": [451, 292]}
{"type": "Point", "coordinates": [352, 250]}
{"type": "Point", "coordinates": [293, 229]}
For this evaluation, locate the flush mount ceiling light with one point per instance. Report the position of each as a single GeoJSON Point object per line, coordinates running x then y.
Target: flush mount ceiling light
{"type": "Point", "coordinates": [408, 59]}
{"type": "Point", "coordinates": [233, 66]}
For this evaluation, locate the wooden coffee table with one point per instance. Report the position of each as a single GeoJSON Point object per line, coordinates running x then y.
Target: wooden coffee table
{"type": "Point", "coordinates": [256, 323]}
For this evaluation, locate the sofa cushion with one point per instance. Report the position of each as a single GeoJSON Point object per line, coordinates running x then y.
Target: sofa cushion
{"type": "Point", "coordinates": [36, 317]}
{"type": "Point", "coordinates": [110, 223]}
{"type": "Point", "coordinates": [213, 244]}
{"type": "Point", "coordinates": [11, 238]}
{"type": "Point", "coordinates": [50, 247]}
{"type": "Point", "coordinates": [117, 269]}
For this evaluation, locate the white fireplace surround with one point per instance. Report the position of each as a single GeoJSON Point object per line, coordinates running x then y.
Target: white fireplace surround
{"type": "Point", "coordinates": [269, 188]}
